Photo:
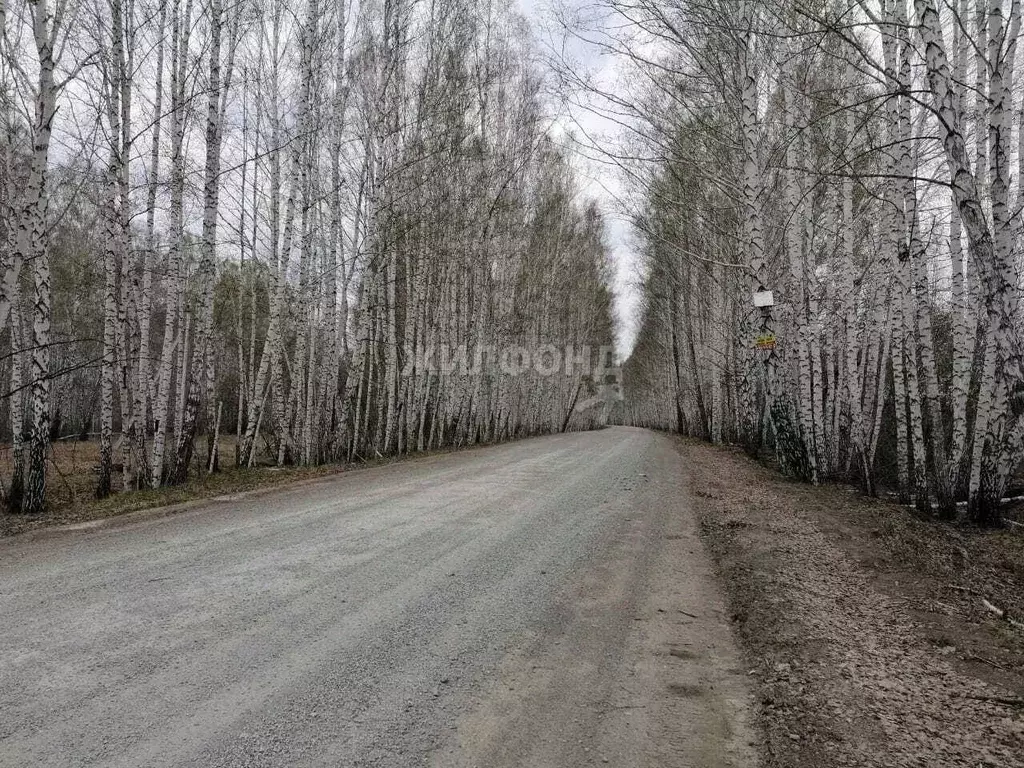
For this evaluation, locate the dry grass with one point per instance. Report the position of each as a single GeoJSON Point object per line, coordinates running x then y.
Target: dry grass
{"type": "Point", "coordinates": [71, 485]}
{"type": "Point", "coordinates": [71, 478]}
{"type": "Point", "coordinates": [71, 475]}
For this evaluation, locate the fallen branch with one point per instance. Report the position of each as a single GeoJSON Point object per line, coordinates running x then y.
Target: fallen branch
{"type": "Point", "coordinates": [1007, 700]}
{"type": "Point", "coordinates": [983, 660]}
{"type": "Point", "coordinates": [999, 612]}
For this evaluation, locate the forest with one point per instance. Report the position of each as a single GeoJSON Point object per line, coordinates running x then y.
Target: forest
{"type": "Point", "coordinates": [828, 199]}
{"type": "Point", "coordinates": [231, 228]}
{"type": "Point", "coordinates": [559, 383]}
{"type": "Point", "coordinates": [237, 234]}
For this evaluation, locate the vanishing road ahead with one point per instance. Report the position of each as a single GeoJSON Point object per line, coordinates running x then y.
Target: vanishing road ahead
{"type": "Point", "coordinates": [540, 603]}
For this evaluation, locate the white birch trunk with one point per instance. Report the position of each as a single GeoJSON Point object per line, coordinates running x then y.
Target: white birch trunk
{"type": "Point", "coordinates": [180, 32]}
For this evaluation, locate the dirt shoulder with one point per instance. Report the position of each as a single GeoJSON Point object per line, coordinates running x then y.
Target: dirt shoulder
{"type": "Point", "coordinates": [71, 500]}
{"type": "Point", "coordinates": [865, 629]}
{"type": "Point", "coordinates": [85, 508]}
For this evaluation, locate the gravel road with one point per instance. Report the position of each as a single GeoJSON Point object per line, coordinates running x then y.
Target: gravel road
{"type": "Point", "coordinates": [540, 603]}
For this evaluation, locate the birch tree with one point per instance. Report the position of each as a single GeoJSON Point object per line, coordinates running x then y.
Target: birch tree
{"type": "Point", "coordinates": [870, 260]}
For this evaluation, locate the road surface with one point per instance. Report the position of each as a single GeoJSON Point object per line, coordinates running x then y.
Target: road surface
{"type": "Point", "coordinates": [540, 603]}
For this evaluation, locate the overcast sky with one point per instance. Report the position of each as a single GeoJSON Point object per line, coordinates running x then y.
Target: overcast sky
{"type": "Point", "coordinates": [603, 181]}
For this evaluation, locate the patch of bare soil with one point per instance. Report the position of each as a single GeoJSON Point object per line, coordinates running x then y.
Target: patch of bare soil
{"type": "Point", "coordinates": [871, 634]}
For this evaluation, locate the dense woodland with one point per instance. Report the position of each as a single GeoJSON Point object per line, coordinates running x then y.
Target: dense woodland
{"type": "Point", "coordinates": [258, 219]}
{"type": "Point", "coordinates": [250, 218]}
{"type": "Point", "coordinates": [863, 161]}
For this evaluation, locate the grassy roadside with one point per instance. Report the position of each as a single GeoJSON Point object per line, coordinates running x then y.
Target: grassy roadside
{"type": "Point", "coordinates": [865, 629]}
{"type": "Point", "coordinates": [71, 487]}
